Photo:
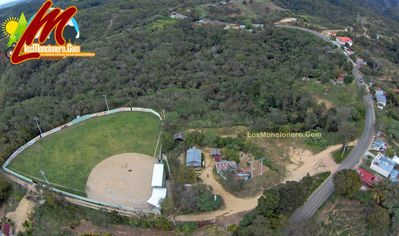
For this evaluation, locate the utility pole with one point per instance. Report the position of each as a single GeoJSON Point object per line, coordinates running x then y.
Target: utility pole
{"type": "Point", "coordinates": [42, 172]}
{"type": "Point", "coordinates": [38, 126]}
{"type": "Point", "coordinates": [106, 101]}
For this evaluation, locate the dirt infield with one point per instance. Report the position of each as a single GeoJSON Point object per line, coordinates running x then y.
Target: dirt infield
{"type": "Point", "coordinates": [123, 179]}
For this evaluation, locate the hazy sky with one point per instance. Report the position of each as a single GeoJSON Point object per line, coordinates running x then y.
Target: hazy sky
{"type": "Point", "coordinates": [7, 1]}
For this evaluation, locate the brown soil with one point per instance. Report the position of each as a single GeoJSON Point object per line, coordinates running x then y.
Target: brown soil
{"type": "Point", "coordinates": [304, 162]}
{"type": "Point", "coordinates": [123, 179]}
{"type": "Point", "coordinates": [21, 214]}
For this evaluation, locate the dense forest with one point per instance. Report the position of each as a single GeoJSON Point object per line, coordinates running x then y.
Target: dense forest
{"type": "Point", "coordinates": [201, 75]}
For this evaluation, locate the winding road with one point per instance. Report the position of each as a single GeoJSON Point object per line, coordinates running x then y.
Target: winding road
{"type": "Point", "coordinates": [319, 196]}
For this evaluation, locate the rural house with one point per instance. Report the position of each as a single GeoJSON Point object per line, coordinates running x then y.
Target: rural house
{"type": "Point", "coordinates": [223, 166]}
{"type": "Point", "coordinates": [381, 98]}
{"type": "Point", "coordinates": [179, 137]}
{"type": "Point", "coordinates": [215, 154]}
{"type": "Point", "coordinates": [379, 145]}
{"type": "Point", "coordinates": [383, 166]}
{"type": "Point", "coordinates": [194, 157]}
{"type": "Point", "coordinates": [343, 41]}
{"type": "Point", "coordinates": [366, 177]}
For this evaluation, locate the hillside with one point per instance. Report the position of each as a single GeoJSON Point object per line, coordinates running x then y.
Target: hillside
{"type": "Point", "coordinates": [202, 76]}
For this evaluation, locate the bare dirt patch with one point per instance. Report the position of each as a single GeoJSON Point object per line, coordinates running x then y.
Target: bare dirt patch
{"type": "Point", "coordinates": [123, 179]}
{"type": "Point", "coordinates": [304, 162]}
{"type": "Point", "coordinates": [327, 103]}
{"type": "Point", "coordinates": [21, 214]}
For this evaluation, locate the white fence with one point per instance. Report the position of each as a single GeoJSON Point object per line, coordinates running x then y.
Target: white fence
{"type": "Point", "coordinates": [74, 122]}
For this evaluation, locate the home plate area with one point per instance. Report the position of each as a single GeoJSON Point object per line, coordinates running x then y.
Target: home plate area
{"type": "Point", "coordinates": [128, 180]}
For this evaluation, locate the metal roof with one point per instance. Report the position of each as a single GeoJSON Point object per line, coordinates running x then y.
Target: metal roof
{"type": "Point", "coordinates": [381, 98]}
{"type": "Point", "coordinates": [193, 157]}
{"type": "Point", "coordinates": [215, 151]}
{"type": "Point", "coordinates": [157, 176]}
{"type": "Point", "coordinates": [384, 163]}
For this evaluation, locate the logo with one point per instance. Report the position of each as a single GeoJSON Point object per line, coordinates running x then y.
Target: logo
{"type": "Point", "coordinates": [51, 33]}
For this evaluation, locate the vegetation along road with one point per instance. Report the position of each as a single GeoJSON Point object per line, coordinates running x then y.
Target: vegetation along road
{"type": "Point", "coordinates": [327, 188]}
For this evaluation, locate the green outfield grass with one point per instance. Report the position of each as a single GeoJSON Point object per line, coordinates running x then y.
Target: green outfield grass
{"type": "Point", "coordinates": [68, 156]}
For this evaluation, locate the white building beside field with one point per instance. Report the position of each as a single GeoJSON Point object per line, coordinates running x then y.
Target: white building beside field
{"type": "Point", "coordinates": [158, 185]}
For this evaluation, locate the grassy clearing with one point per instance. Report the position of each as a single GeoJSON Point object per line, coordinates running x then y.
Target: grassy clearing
{"type": "Point", "coordinates": [339, 95]}
{"type": "Point", "coordinates": [68, 156]}
{"type": "Point", "coordinates": [162, 23]}
{"type": "Point", "coordinates": [339, 157]}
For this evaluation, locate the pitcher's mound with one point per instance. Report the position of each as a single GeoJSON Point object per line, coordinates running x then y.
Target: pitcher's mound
{"type": "Point", "coordinates": [123, 179]}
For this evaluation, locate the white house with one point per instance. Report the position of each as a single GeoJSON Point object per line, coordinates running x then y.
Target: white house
{"type": "Point", "coordinates": [382, 165]}
{"type": "Point", "coordinates": [381, 99]}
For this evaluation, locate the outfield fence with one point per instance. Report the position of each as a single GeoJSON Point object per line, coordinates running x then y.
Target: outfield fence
{"type": "Point", "coordinates": [84, 201]}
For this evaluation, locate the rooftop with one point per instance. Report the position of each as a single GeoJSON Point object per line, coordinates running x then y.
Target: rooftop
{"type": "Point", "coordinates": [157, 175]}
{"type": "Point", "coordinates": [384, 163]}
{"type": "Point", "coordinates": [366, 176]}
{"type": "Point", "coordinates": [193, 157]}
{"type": "Point", "coordinates": [215, 152]}
{"type": "Point", "coordinates": [381, 98]}
{"type": "Point", "coordinates": [344, 39]}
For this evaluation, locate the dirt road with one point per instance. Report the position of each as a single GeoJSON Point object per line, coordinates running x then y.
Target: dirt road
{"type": "Point", "coordinates": [21, 214]}
{"type": "Point", "coordinates": [232, 203]}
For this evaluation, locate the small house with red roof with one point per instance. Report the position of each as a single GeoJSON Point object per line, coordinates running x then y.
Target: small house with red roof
{"type": "Point", "coordinates": [366, 177]}
{"type": "Point", "coordinates": [344, 41]}
{"type": "Point", "coordinates": [341, 79]}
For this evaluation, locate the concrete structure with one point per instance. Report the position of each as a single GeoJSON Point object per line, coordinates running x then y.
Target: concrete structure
{"type": "Point", "coordinates": [382, 165]}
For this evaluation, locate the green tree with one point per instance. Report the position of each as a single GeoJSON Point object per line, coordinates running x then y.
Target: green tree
{"type": "Point", "coordinates": [194, 138]}
{"type": "Point", "coordinates": [378, 220]}
{"type": "Point", "coordinates": [5, 189]}
{"type": "Point", "coordinates": [268, 202]}
{"type": "Point", "coordinates": [348, 79]}
{"type": "Point", "coordinates": [347, 183]}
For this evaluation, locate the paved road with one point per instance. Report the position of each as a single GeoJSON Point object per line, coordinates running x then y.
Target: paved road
{"type": "Point", "coordinates": [319, 196]}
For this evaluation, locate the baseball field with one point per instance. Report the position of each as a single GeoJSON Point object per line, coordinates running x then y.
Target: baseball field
{"type": "Point", "coordinates": [69, 156]}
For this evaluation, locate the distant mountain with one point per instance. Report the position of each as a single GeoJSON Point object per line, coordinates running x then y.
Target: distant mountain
{"type": "Point", "coordinates": [383, 4]}
{"type": "Point", "coordinates": [11, 3]}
